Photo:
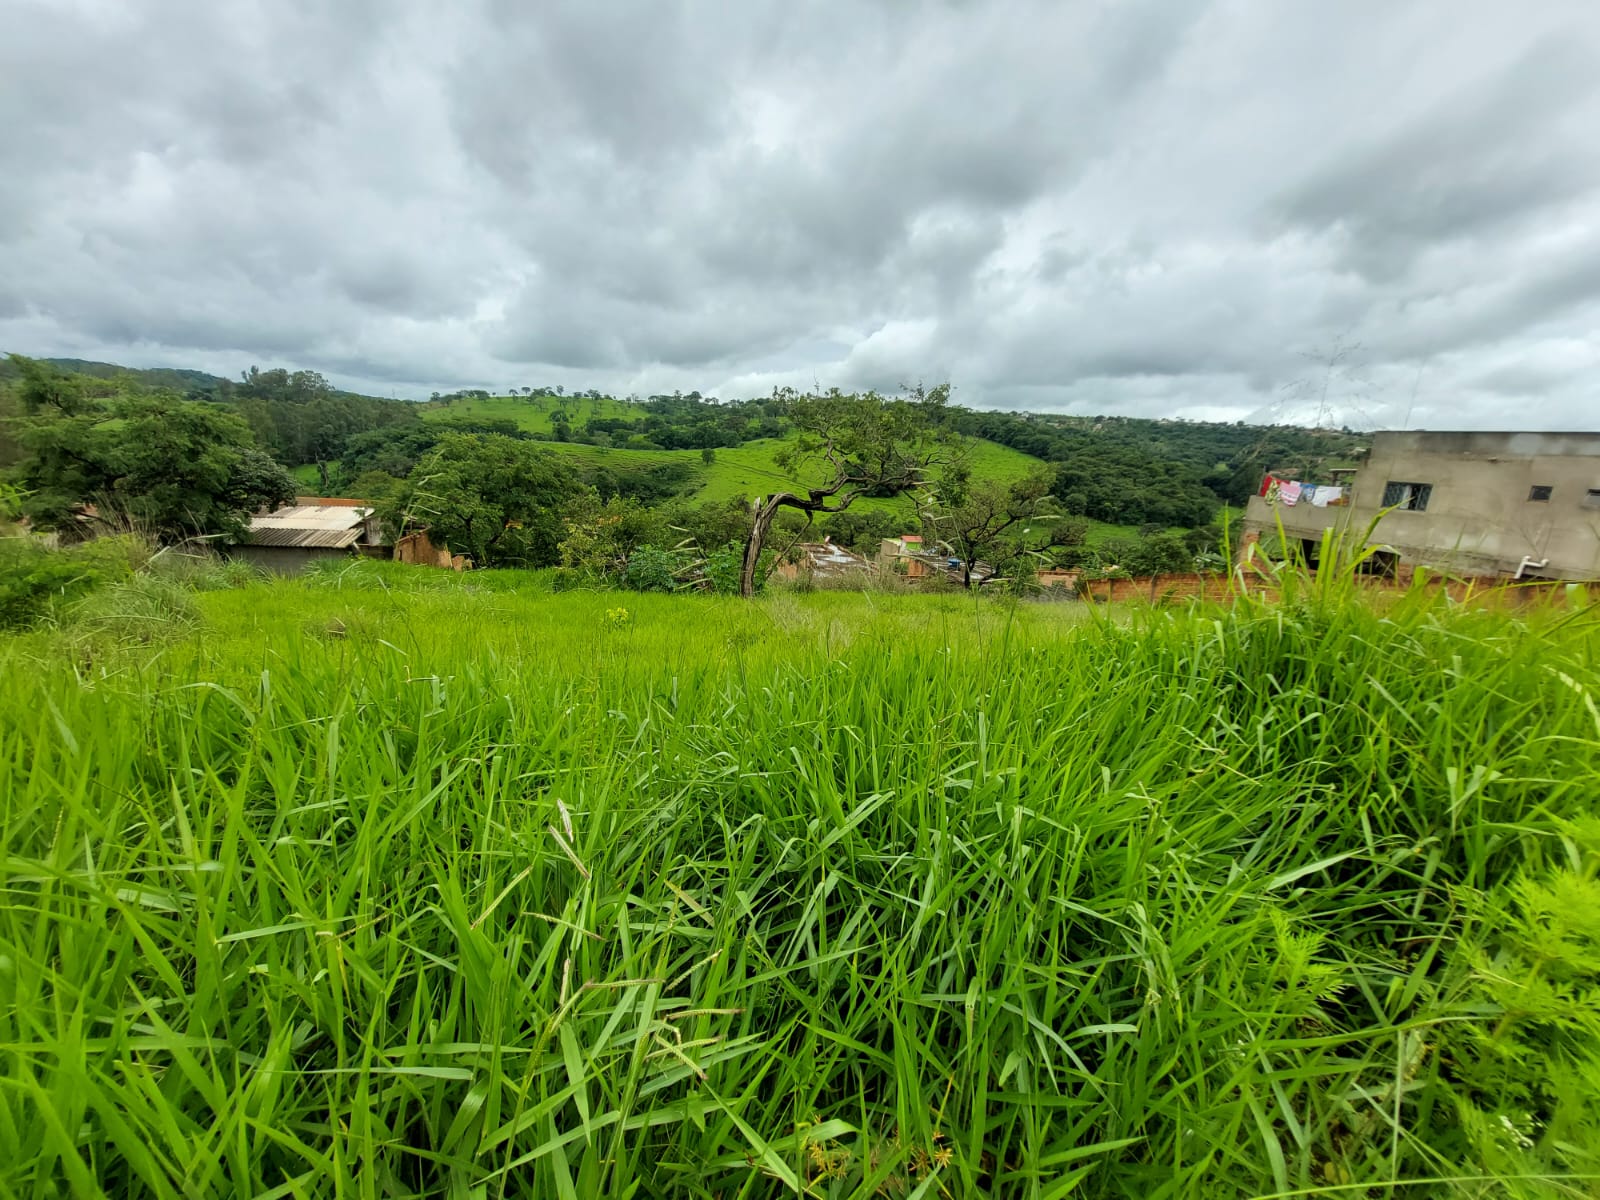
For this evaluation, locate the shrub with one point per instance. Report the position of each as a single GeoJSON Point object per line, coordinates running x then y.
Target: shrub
{"type": "Point", "coordinates": [722, 568]}
{"type": "Point", "coordinates": [36, 580]}
{"type": "Point", "coordinates": [568, 579]}
{"type": "Point", "coordinates": [651, 569]}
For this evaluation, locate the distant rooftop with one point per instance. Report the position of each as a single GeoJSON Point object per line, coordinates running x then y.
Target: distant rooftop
{"type": "Point", "coordinates": [330, 523]}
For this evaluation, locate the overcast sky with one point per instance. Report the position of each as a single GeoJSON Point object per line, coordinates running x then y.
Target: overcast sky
{"type": "Point", "coordinates": [1172, 209]}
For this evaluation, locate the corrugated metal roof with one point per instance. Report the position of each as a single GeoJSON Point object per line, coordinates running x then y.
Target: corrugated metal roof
{"type": "Point", "coordinates": [320, 526]}
{"type": "Point", "coordinates": [329, 539]}
{"type": "Point", "coordinates": [829, 559]}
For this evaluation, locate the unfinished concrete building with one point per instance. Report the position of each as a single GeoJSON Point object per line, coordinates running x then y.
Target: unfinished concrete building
{"type": "Point", "coordinates": [1503, 505]}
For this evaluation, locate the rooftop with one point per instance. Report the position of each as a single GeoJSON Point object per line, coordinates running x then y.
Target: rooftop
{"type": "Point", "coordinates": [828, 558]}
{"type": "Point", "coordinates": [330, 524]}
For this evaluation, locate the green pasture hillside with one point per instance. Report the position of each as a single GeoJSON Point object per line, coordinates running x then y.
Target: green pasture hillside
{"type": "Point", "coordinates": [532, 414]}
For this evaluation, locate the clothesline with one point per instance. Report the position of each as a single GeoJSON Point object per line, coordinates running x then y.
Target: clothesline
{"type": "Point", "coordinates": [1290, 492]}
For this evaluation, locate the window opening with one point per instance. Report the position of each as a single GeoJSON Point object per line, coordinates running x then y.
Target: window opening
{"type": "Point", "coordinates": [1412, 496]}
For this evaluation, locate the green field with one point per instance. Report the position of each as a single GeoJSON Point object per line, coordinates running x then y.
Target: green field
{"type": "Point", "coordinates": [745, 470]}
{"type": "Point", "coordinates": [749, 469]}
{"type": "Point", "coordinates": [392, 882]}
{"type": "Point", "coordinates": [308, 476]}
{"type": "Point", "coordinates": [532, 414]}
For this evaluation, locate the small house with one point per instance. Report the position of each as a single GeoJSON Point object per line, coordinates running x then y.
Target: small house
{"type": "Point", "coordinates": [288, 539]}
{"type": "Point", "coordinates": [905, 555]}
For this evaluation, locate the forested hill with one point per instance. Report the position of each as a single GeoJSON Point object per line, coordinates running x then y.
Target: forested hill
{"type": "Point", "coordinates": [1098, 457]}
{"type": "Point", "coordinates": [179, 379]}
{"type": "Point", "coordinates": [1123, 471]}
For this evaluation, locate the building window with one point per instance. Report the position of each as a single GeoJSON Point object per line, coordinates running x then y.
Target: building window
{"type": "Point", "coordinates": [1413, 496]}
{"type": "Point", "coordinates": [1592, 499]}
{"type": "Point", "coordinates": [1539, 491]}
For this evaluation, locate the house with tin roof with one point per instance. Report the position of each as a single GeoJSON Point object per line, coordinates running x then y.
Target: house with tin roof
{"type": "Point", "coordinates": [288, 539]}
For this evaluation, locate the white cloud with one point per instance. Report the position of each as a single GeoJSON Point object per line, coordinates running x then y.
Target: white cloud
{"type": "Point", "coordinates": [1148, 208]}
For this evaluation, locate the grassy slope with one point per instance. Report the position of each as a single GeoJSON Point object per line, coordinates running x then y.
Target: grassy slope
{"type": "Point", "coordinates": [532, 414]}
{"type": "Point", "coordinates": [1169, 904]}
{"type": "Point", "coordinates": [740, 470]}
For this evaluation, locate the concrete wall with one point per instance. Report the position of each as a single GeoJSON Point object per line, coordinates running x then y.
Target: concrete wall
{"type": "Point", "coordinates": [1479, 519]}
{"type": "Point", "coordinates": [415, 548]}
{"type": "Point", "coordinates": [284, 560]}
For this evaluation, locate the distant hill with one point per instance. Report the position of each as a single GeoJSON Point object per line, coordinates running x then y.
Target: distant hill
{"type": "Point", "coordinates": [743, 470]}
{"type": "Point", "coordinates": [1118, 471]}
{"type": "Point", "coordinates": [179, 378]}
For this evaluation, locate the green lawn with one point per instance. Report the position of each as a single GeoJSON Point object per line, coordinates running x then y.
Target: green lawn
{"type": "Point", "coordinates": [392, 882]}
{"type": "Point", "coordinates": [309, 478]}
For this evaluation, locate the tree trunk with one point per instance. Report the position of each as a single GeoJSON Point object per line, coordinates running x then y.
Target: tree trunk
{"type": "Point", "coordinates": [764, 513]}
{"type": "Point", "coordinates": [766, 510]}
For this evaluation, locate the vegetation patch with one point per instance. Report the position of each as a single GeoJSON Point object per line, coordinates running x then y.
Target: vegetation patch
{"type": "Point", "coordinates": [422, 886]}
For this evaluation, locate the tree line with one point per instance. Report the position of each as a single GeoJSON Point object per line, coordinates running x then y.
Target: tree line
{"type": "Point", "coordinates": [88, 455]}
{"type": "Point", "coordinates": [1137, 471]}
{"type": "Point", "coordinates": [200, 461]}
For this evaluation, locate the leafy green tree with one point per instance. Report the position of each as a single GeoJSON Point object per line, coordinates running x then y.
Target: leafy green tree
{"type": "Point", "coordinates": [849, 446]}
{"type": "Point", "coordinates": [503, 500]}
{"type": "Point", "coordinates": [711, 524]}
{"type": "Point", "coordinates": [372, 485]}
{"type": "Point", "coordinates": [1160, 554]}
{"type": "Point", "coordinates": [301, 418]}
{"type": "Point", "coordinates": [601, 537]}
{"type": "Point", "coordinates": [45, 388]}
{"type": "Point", "coordinates": [1002, 523]}
{"type": "Point", "coordinates": [172, 467]}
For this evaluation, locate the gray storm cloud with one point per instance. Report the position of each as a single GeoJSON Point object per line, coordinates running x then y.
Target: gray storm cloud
{"type": "Point", "coordinates": [1154, 209]}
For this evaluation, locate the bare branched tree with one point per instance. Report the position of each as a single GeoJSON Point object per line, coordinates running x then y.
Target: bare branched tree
{"type": "Point", "coordinates": [851, 446]}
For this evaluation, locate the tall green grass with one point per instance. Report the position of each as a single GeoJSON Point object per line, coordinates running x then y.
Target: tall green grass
{"type": "Point", "coordinates": [361, 891]}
